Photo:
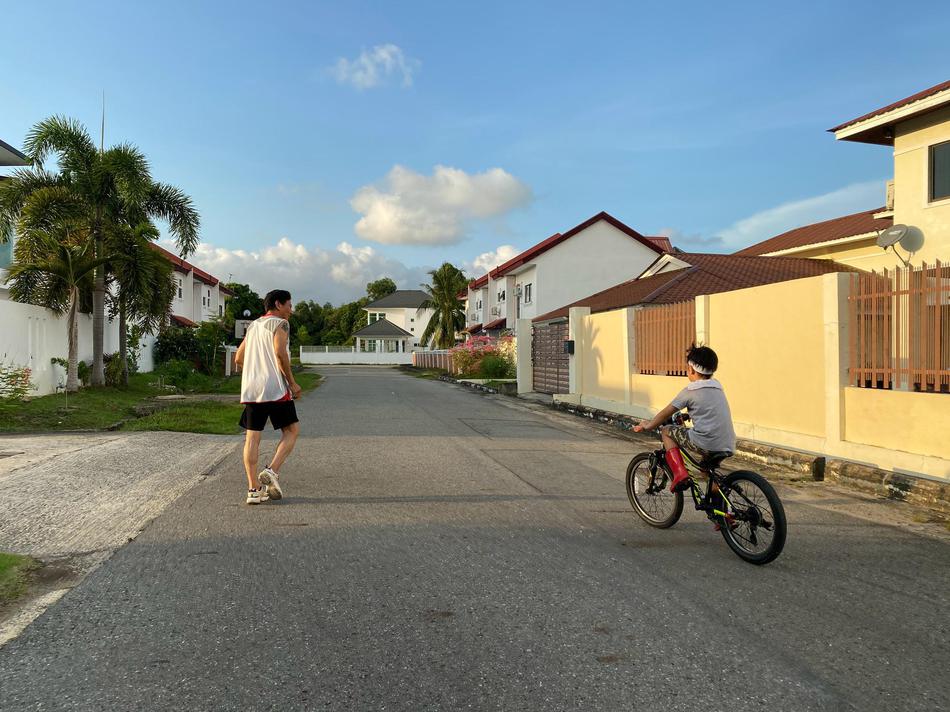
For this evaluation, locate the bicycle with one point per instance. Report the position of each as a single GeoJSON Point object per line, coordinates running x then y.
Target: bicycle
{"type": "Point", "coordinates": [746, 507]}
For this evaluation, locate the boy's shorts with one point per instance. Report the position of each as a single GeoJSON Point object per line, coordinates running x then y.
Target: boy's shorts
{"type": "Point", "coordinates": [281, 414]}
{"type": "Point", "coordinates": [680, 434]}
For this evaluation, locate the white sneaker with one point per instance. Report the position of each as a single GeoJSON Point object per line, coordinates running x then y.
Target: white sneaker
{"type": "Point", "coordinates": [256, 496]}
{"type": "Point", "coordinates": [271, 480]}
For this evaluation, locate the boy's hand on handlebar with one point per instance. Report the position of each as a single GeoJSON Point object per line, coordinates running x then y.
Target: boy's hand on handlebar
{"type": "Point", "coordinates": [641, 426]}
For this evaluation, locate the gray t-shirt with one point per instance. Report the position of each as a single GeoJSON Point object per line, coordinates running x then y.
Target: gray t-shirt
{"type": "Point", "coordinates": [709, 411]}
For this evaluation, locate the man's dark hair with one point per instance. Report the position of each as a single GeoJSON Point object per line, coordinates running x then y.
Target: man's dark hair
{"type": "Point", "coordinates": [275, 297]}
{"type": "Point", "coordinates": [705, 358]}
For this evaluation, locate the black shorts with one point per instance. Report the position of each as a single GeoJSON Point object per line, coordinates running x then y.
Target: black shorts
{"type": "Point", "coordinates": [281, 414]}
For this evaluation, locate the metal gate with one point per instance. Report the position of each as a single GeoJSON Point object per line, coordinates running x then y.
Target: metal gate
{"type": "Point", "coordinates": [551, 364]}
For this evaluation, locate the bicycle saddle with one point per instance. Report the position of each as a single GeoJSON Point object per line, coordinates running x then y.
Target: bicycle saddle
{"type": "Point", "coordinates": [714, 459]}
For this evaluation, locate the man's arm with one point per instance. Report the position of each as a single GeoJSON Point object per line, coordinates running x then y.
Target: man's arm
{"type": "Point", "coordinates": [660, 417]}
{"type": "Point", "coordinates": [281, 337]}
{"type": "Point", "coordinates": [239, 357]}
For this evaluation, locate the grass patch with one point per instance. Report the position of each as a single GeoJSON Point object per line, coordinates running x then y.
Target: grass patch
{"type": "Point", "coordinates": [89, 409]}
{"type": "Point", "coordinates": [100, 408]}
{"type": "Point", "coordinates": [212, 417]}
{"type": "Point", "coordinates": [14, 575]}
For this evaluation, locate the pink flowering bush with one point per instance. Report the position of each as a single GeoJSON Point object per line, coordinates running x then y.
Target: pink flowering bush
{"type": "Point", "coordinates": [467, 358]}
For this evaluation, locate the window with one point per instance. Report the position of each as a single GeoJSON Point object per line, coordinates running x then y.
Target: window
{"type": "Point", "coordinates": [412, 328]}
{"type": "Point", "coordinates": [501, 295]}
{"type": "Point", "coordinates": [376, 316]}
{"type": "Point", "coordinates": [220, 310]}
{"type": "Point", "coordinates": [179, 289]}
{"type": "Point", "coordinates": [203, 302]}
{"type": "Point", "coordinates": [940, 171]}
{"type": "Point", "coordinates": [478, 304]}
{"type": "Point", "coordinates": [527, 294]}
{"type": "Point", "coordinates": [412, 320]}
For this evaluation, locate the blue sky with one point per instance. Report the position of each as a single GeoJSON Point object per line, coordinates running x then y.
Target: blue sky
{"type": "Point", "coordinates": [704, 120]}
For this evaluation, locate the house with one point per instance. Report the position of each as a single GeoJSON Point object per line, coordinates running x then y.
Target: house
{"type": "Point", "coordinates": [396, 323]}
{"type": "Point", "coordinates": [198, 296]}
{"type": "Point", "coordinates": [918, 197]}
{"type": "Point", "coordinates": [9, 157]}
{"type": "Point", "coordinates": [597, 253]}
{"type": "Point", "coordinates": [671, 279]}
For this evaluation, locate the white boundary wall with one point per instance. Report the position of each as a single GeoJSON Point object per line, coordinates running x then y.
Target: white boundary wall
{"type": "Point", "coordinates": [355, 357]}
{"type": "Point", "coordinates": [30, 336]}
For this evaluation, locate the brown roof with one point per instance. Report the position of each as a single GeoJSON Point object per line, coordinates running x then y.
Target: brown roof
{"type": "Point", "coordinates": [707, 274]}
{"type": "Point", "coordinates": [663, 242]}
{"type": "Point", "coordinates": [182, 321]}
{"type": "Point", "coordinates": [497, 324]}
{"type": "Point", "coordinates": [936, 89]}
{"type": "Point", "coordinates": [834, 229]}
{"type": "Point", "coordinates": [183, 266]}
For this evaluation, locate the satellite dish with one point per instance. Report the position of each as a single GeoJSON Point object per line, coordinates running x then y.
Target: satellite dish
{"type": "Point", "coordinates": [891, 236]}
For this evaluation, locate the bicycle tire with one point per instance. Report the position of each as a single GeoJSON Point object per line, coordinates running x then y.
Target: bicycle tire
{"type": "Point", "coordinates": [745, 531]}
{"type": "Point", "coordinates": [644, 508]}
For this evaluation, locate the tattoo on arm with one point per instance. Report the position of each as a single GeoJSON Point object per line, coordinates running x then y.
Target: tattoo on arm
{"type": "Point", "coordinates": [285, 325]}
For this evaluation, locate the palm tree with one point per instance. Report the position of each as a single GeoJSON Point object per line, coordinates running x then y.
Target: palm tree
{"type": "Point", "coordinates": [142, 283]}
{"type": "Point", "coordinates": [50, 268]}
{"type": "Point", "coordinates": [449, 317]}
{"type": "Point", "coordinates": [109, 186]}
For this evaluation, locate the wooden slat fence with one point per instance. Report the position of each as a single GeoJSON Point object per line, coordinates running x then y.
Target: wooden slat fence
{"type": "Point", "coordinates": [663, 334]}
{"type": "Point", "coordinates": [433, 359]}
{"type": "Point", "coordinates": [552, 367]}
{"type": "Point", "coordinates": [899, 322]}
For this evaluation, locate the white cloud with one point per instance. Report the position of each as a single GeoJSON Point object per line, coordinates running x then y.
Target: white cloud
{"type": "Point", "coordinates": [413, 209]}
{"type": "Point", "coordinates": [489, 260]}
{"type": "Point", "coordinates": [774, 221]}
{"type": "Point", "coordinates": [337, 275]}
{"type": "Point", "coordinates": [376, 67]}
{"type": "Point", "coordinates": [782, 218]}
{"type": "Point", "coordinates": [691, 241]}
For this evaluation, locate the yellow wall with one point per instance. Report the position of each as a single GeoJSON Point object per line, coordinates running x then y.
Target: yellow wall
{"type": "Point", "coordinates": [605, 365]}
{"type": "Point", "coordinates": [655, 392]}
{"type": "Point", "coordinates": [770, 343]}
{"type": "Point", "coordinates": [898, 420]}
{"type": "Point", "coordinates": [912, 140]}
{"type": "Point", "coordinates": [863, 254]}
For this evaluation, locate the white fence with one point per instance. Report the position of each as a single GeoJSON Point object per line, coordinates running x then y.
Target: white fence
{"type": "Point", "coordinates": [328, 355]}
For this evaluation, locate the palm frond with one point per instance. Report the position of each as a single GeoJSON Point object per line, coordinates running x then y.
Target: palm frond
{"type": "Point", "coordinates": [63, 136]}
{"type": "Point", "coordinates": [174, 207]}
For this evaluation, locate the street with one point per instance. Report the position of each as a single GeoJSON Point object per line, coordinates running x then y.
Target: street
{"type": "Point", "coordinates": [438, 549]}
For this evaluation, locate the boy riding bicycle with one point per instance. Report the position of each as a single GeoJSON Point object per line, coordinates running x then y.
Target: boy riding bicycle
{"type": "Point", "coordinates": [706, 404]}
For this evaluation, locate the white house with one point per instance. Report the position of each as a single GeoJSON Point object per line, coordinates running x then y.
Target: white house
{"type": "Point", "coordinates": [198, 297]}
{"type": "Point", "coordinates": [596, 254]}
{"type": "Point", "coordinates": [395, 323]}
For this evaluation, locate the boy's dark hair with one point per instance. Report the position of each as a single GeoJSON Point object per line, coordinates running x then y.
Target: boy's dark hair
{"type": "Point", "coordinates": [705, 358]}
{"type": "Point", "coordinates": [275, 297]}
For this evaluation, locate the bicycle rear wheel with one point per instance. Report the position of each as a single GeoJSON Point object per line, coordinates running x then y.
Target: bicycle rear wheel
{"type": "Point", "coordinates": [757, 532]}
{"type": "Point", "coordinates": [648, 488]}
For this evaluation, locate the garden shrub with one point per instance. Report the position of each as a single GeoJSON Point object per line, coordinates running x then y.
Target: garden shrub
{"type": "Point", "coordinates": [496, 365]}
{"type": "Point", "coordinates": [176, 344]}
{"type": "Point", "coordinates": [15, 382]}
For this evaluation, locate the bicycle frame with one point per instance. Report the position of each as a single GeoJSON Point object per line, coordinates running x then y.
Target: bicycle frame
{"type": "Point", "coordinates": [701, 500]}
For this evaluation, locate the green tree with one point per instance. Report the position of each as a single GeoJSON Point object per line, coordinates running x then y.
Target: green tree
{"type": "Point", "coordinates": [51, 265]}
{"type": "Point", "coordinates": [380, 288]}
{"type": "Point", "coordinates": [99, 188]}
{"type": "Point", "coordinates": [448, 316]}
{"type": "Point", "coordinates": [244, 299]}
{"type": "Point", "coordinates": [142, 285]}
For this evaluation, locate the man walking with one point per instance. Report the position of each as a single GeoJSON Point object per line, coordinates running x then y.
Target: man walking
{"type": "Point", "coordinates": [268, 390]}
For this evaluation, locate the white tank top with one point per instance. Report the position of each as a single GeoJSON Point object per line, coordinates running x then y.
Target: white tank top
{"type": "Point", "coordinates": [261, 379]}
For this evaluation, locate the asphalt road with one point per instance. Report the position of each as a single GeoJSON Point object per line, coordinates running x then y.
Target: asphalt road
{"type": "Point", "coordinates": [442, 550]}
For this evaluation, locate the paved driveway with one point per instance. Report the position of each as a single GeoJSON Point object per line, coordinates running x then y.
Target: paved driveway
{"type": "Point", "coordinates": [439, 549]}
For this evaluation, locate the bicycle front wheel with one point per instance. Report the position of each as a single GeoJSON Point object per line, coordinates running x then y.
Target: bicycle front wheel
{"type": "Point", "coordinates": [756, 530]}
{"type": "Point", "coordinates": [648, 488]}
